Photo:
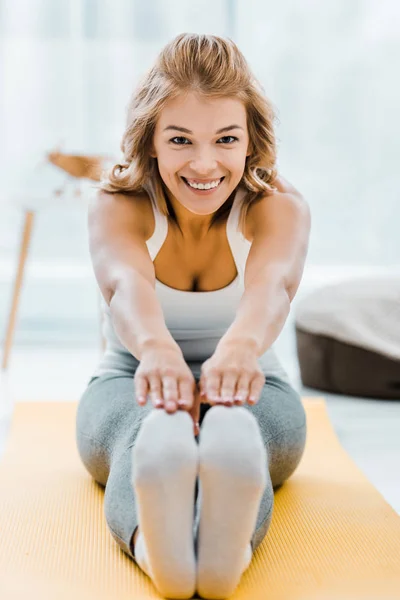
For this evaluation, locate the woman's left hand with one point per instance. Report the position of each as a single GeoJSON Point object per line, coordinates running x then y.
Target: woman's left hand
{"type": "Point", "coordinates": [232, 375]}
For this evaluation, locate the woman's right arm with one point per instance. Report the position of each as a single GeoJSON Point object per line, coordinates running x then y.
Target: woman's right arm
{"type": "Point", "coordinates": [125, 274]}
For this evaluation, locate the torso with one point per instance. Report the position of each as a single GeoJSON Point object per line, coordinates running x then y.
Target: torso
{"type": "Point", "coordinates": [197, 266]}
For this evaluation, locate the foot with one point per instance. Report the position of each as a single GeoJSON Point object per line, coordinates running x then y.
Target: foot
{"type": "Point", "coordinates": [164, 472]}
{"type": "Point", "coordinates": [232, 476]}
{"type": "Point", "coordinates": [141, 553]}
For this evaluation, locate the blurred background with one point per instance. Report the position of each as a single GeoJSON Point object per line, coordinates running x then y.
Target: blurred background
{"type": "Point", "coordinates": [67, 69]}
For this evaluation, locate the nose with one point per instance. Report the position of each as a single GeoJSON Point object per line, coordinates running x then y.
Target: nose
{"type": "Point", "coordinates": [203, 162]}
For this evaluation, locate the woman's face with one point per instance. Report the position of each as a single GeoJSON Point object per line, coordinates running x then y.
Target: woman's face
{"type": "Point", "coordinates": [201, 140]}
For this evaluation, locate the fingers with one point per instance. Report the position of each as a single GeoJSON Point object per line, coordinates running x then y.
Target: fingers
{"type": "Point", "coordinates": [166, 392]}
{"type": "Point", "coordinates": [141, 390]}
{"type": "Point", "coordinates": [229, 386]}
{"type": "Point", "coordinates": [256, 388]}
{"type": "Point", "coordinates": [186, 395]}
{"type": "Point", "coordinates": [211, 390]}
{"type": "Point", "coordinates": [173, 394]}
{"type": "Point", "coordinates": [229, 389]}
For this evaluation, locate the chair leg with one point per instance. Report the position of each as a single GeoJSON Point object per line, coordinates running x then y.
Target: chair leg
{"type": "Point", "coordinates": [23, 254]}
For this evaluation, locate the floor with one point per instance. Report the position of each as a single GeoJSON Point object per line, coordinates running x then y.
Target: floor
{"type": "Point", "coordinates": [367, 428]}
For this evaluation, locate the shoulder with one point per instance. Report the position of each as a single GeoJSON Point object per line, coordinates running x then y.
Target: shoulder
{"type": "Point", "coordinates": [276, 210]}
{"type": "Point", "coordinates": [132, 205]}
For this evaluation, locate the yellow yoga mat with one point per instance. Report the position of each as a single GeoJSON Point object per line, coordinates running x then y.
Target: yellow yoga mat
{"type": "Point", "coordinates": [332, 537]}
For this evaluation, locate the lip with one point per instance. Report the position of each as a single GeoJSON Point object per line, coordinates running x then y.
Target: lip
{"type": "Point", "coordinates": [203, 192]}
{"type": "Point", "coordinates": [196, 180]}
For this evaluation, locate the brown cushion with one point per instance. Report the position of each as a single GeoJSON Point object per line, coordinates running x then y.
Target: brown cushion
{"type": "Point", "coordinates": [348, 338]}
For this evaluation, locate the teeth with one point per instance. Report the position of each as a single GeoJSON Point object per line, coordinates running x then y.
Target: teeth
{"type": "Point", "coordinates": [205, 186]}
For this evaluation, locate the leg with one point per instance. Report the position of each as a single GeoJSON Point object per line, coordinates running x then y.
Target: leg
{"type": "Point", "coordinates": [282, 421]}
{"type": "Point", "coordinates": [141, 455]}
{"type": "Point", "coordinates": [232, 474]}
{"type": "Point", "coordinates": [242, 461]}
{"type": "Point", "coordinates": [108, 421]}
{"type": "Point", "coordinates": [165, 466]}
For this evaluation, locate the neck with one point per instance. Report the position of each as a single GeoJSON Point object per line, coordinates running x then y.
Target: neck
{"type": "Point", "coordinates": [194, 227]}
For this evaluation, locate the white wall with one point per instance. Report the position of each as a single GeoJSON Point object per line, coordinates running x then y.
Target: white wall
{"type": "Point", "coordinates": [67, 69]}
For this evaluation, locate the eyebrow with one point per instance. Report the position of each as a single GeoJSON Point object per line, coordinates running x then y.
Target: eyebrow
{"type": "Point", "coordinates": [184, 130]}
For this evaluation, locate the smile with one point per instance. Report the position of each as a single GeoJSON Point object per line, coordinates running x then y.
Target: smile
{"type": "Point", "coordinates": [204, 188]}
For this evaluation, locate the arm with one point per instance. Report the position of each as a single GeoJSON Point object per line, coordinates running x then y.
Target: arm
{"type": "Point", "coordinates": [281, 229]}
{"type": "Point", "coordinates": [125, 272]}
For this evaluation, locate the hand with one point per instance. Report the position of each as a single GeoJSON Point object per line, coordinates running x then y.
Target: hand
{"type": "Point", "coordinates": [232, 375]}
{"type": "Point", "coordinates": [164, 376]}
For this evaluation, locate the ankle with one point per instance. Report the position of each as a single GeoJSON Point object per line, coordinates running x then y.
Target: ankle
{"type": "Point", "coordinates": [133, 540]}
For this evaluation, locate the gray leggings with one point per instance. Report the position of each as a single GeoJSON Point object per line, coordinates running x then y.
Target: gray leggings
{"type": "Point", "coordinates": [108, 420]}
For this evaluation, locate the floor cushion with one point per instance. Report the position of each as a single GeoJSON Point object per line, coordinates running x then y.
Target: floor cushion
{"type": "Point", "coordinates": [348, 337]}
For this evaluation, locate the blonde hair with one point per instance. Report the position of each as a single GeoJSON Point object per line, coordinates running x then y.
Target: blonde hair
{"type": "Point", "coordinates": [212, 67]}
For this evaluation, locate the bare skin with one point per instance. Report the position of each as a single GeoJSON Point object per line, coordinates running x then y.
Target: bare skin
{"type": "Point", "coordinates": [216, 149]}
{"type": "Point", "coordinates": [192, 255]}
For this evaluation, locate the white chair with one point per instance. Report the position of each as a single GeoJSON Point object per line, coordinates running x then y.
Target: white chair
{"type": "Point", "coordinates": [33, 186]}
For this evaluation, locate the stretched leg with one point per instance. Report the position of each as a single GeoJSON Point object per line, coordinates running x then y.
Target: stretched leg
{"type": "Point", "coordinates": [165, 465]}
{"type": "Point", "coordinates": [108, 421]}
{"type": "Point", "coordinates": [236, 501]}
{"type": "Point", "coordinates": [147, 460]}
{"type": "Point", "coordinates": [281, 418]}
{"type": "Point", "coordinates": [232, 474]}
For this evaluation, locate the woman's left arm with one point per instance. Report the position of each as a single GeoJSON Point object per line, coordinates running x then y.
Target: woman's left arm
{"type": "Point", "coordinates": [281, 229]}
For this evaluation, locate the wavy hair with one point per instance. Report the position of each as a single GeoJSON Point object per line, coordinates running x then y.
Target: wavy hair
{"type": "Point", "coordinates": [212, 67]}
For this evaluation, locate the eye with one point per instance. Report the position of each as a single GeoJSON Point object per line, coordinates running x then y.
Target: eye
{"type": "Point", "coordinates": [229, 136]}
{"type": "Point", "coordinates": [179, 137]}
{"type": "Point", "coordinates": [235, 139]}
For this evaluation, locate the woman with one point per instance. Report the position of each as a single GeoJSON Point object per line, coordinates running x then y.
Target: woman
{"type": "Point", "coordinates": [198, 248]}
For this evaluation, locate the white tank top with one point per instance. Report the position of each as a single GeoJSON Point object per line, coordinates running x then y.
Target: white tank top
{"type": "Point", "coordinates": [196, 320]}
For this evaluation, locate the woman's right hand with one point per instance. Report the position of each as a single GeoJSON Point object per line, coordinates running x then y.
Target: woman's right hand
{"type": "Point", "coordinates": [164, 375]}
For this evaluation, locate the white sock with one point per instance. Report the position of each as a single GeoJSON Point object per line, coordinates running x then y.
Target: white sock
{"type": "Point", "coordinates": [141, 555]}
{"type": "Point", "coordinates": [164, 471]}
{"type": "Point", "coordinates": [232, 477]}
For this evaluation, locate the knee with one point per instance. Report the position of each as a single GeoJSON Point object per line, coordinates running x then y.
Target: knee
{"type": "Point", "coordinates": [261, 531]}
{"type": "Point", "coordinates": [285, 452]}
{"type": "Point", "coordinates": [292, 412]}
{"type": "Point", "coordinates": [94, 457]}
{"type": "Point", "coordinates": [280, 407]}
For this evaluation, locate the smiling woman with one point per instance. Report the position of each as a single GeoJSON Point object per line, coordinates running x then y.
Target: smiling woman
{"type": "Point", "coordinates": [201, 159]}
{"type": "Point", "coordinates": [189, 304]}
{"type": "Point", "coordinates": [218, 95]}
